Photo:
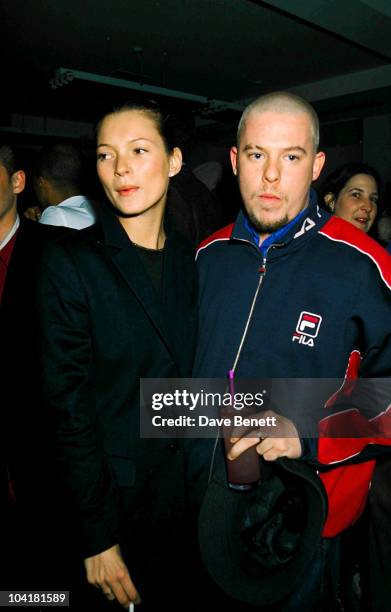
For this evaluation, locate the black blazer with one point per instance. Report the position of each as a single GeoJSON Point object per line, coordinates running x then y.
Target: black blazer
{"type": "Point", "coordinates": [103, 327]}
{"type": "Point", "coordinates": [26, 444]}
{"type": "Point", "coordinates": [25, 437]}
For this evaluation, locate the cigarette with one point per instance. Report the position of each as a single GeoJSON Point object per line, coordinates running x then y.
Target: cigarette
{"type": "Point", "coordinates": [131, 607]}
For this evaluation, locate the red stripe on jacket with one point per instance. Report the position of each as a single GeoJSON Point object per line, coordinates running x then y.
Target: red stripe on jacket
{"type": "Point", "coordinates": [342, 231]}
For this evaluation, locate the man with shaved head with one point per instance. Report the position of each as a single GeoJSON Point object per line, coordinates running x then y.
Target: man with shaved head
{"type": "Point", "coordinates": [282, 102]}
{"type": "Point", "coordinates": [280, 134]}
{"type": "Point", "coordinates": [289, 292]}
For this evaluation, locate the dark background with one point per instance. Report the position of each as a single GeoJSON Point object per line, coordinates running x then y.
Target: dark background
{"type": "Point", "coordinates": [222, 53]}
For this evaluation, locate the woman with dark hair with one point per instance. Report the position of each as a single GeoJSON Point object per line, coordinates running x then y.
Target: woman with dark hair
{"type": "Point", "coordinates": [118, 303]}
{"type": "Point", "coordinates": [352, 193]}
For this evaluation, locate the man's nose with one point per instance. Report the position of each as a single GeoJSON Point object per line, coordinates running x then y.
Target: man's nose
{"type": "Point", "coordinates": [271, 172]}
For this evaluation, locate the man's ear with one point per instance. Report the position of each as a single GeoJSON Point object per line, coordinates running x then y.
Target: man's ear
{"type": "Point", "coordinates": [175, 162]}
{"type": "Point", "coordinates": [18, 181]}
{"type": "Point", "coordinates": [329, 200]}
{"type": "Point", "coordinates": [234, 159]}
{"type": "Point", "coordinates": [319, 161]}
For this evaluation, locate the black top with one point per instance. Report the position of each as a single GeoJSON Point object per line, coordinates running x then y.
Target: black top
{"type": "Point", "coordinates": [153, 262]}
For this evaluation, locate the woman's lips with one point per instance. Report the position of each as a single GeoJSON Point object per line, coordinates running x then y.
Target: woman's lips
{"type": "Point", "coordinates": [125, 191]}
{"type": "Point", "coordinates": [362, 220]}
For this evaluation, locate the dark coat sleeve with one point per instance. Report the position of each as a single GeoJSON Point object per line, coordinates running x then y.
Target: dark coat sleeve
{"type": "Point", "coordinates": [64, 320]}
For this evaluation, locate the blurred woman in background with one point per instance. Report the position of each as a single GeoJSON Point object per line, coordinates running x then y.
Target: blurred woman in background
{"type": "Point", "coordinates": [351, 192]}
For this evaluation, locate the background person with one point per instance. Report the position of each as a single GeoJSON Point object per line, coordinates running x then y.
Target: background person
{"type": "Point", "coordinates": [58, 180]}
{"type": "Point", "coordinates": [27, 467]}
{"type": "Point", "coordinates": [351, 192]}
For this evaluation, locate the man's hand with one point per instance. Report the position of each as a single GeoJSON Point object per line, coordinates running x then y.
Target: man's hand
{"type": "Point", "coordinates": [33, 213]}
{"type": "Point", "coordinates": [287, 444]}
{"type": "Point", "coordinates": [108, 572]}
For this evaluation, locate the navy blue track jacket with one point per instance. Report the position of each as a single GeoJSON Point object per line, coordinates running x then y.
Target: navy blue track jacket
{"type": "Point", "coordinates": [323, 310]}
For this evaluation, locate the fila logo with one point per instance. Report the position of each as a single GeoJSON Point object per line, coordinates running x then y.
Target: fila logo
{"type": "Point", "coordinates": [307, 328]}
{"type": "Point", "coordinates": [307, 225]}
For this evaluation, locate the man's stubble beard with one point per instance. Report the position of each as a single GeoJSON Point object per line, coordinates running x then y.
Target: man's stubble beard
{"type": "Point", "coordinates": [267, 227]}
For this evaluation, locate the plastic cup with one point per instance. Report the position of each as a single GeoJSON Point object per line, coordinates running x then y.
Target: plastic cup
{"type": "Point", "coordinates": [244, 472]}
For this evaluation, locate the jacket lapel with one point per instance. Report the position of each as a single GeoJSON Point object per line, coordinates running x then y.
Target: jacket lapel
{"type": "Point", "coordinates": [125, 258]}
{"type": "Point", "coordinates": [179, 295]}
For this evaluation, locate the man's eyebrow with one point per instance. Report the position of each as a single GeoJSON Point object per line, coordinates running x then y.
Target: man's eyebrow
{"type": "Point", "coordinates": [295, 148]}
{"type": "Point", "coordinates": [249, 147]}
{"type": "Point", "coordinates": [103, 144]}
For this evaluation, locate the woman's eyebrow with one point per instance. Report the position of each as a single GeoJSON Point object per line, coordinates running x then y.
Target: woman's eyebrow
{"type": "Point", "coordinates": [104, 144]}
{"type": "Point", "coordinates": [361, 190]}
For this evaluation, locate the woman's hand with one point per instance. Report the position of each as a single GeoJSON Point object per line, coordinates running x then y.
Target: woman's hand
{"type": "Point", "coordinates": [108, 572]}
